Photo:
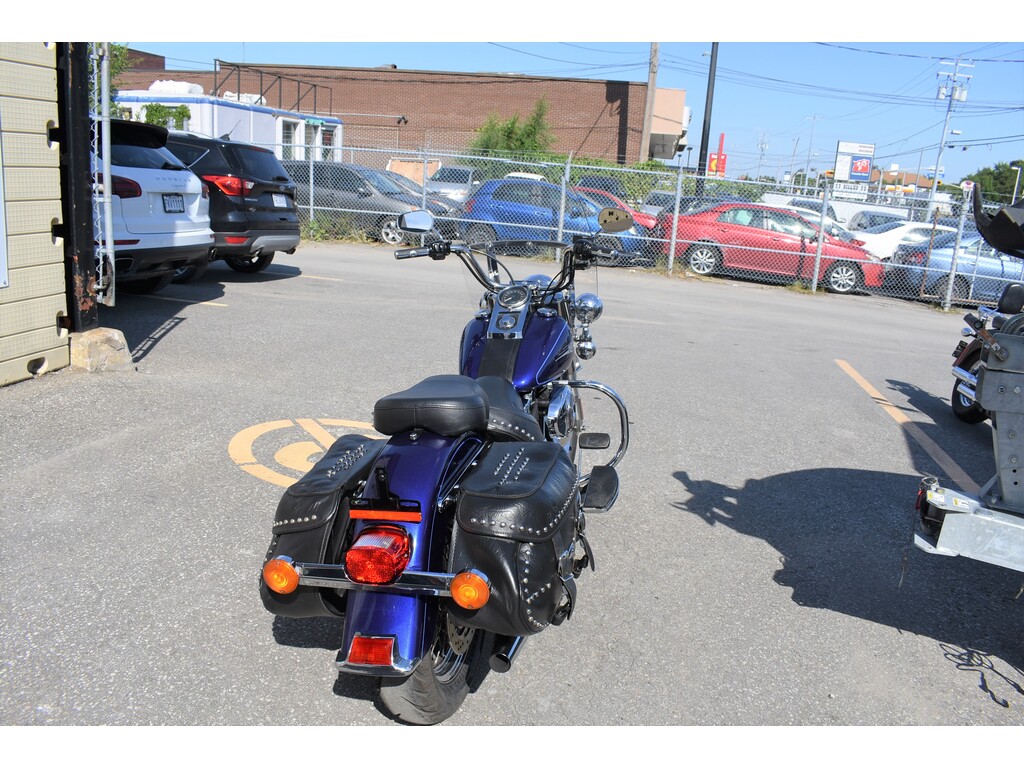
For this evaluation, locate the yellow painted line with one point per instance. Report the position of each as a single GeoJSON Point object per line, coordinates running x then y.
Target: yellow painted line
{"type": "Point", "coordinates": [240, 447]}
{"type": "Point", "coordinates": [950, 467]}
{"type": "Point", "coordinates": [317, 432]}
{"type": "Point", "coordinates": [187, 301]}
{"type": "Point", "coordinates": [298, 456]}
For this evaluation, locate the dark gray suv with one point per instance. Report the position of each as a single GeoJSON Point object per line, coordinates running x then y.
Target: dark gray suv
{"type": "Point", "coordinates": [252, 201]}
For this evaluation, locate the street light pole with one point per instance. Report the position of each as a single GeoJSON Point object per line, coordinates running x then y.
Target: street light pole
{"type": "Point", "coordinates": [1017, 169]}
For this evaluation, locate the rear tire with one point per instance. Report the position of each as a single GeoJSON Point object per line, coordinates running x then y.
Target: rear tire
{"type": "Point", "coordinates": [960, 289]}
{"type": "Point", "coordinates": [437, 687]}
{"type": "Point", "coordinates": [190, 273]}
{"type": "Point", "coordinates": [478, 233]}
{"type": "Point", "coordinates": [704, 259]}
{"type": "Point", "coordinates": [968, 412]}
{"type": "Point", "coordinates": [250, 264]}
{"type": "Point", "coordinates": [843, 277]}
{"type": "Point", "coordinates": [149, 284]}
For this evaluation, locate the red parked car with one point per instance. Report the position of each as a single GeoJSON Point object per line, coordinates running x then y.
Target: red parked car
{"type": "Point", "coordinates": [747, 238]}
{"type": "Point", "coordinates": [605, 199]}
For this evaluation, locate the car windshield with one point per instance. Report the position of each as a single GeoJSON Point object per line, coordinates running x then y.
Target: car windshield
{"type": "Point", "coordinates": [133, 156]}
{"type": "Point", "coordinates": [450, 175]}
{"type": "Point", "coordinates": [382, 182]}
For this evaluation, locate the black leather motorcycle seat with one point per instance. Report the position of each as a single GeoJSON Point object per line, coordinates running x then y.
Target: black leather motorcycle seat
{"type": "Point", "coordinates": [506, 417]}
{"type": "Point", "coordinates": [446, 405]}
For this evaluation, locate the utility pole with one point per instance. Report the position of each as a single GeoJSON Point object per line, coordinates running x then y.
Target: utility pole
{"type": "Point", "coordinates": [952, 91]}
{"type": "Point", "coordinates": [807, 168]}
{"type": "Point", "coordinates": [652, 77]}
{"type": "Point", "coordinates": [792, 166]}
{"type": "Point", "coordinates": [702, 159]}
{"type": "Point", "coordinates": [762, 144]}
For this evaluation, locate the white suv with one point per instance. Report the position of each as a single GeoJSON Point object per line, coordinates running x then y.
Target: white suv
{"type": "Point", "coordinates": [161, 210]}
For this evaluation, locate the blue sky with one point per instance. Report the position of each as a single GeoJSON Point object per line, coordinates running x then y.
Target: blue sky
{"type": "Point", "coordinates": [774, 101]}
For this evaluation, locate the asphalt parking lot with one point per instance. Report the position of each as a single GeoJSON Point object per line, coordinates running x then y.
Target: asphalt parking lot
{"type": "Point", "coordinates": [757, 570]}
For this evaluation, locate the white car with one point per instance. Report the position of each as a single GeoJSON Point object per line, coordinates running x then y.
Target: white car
{"type": "Point", "coordinates": [832, 227]}
{"type": "Point", "coordinates": [161, 209]}
{"type": "Point", "coordinates": [882, 241]}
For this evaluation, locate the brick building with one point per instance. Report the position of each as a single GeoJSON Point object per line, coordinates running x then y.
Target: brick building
{"type": "Point", "coordinates": [387, 107]}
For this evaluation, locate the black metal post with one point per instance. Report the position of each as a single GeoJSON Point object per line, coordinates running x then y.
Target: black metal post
{"type": "Point", "coordinates": [702, 159]}
{"type": "Point", "coordinates": [76, 227]}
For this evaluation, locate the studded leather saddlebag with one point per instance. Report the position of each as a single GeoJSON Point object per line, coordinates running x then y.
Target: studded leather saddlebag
{"type": "Point", "coordinates": [516, 521]}
{"type": "Point", "coordinates": [310, 523]}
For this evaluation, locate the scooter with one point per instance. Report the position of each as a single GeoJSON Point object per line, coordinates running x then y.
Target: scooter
{"type": "Point", "coordinates": [447, 544]}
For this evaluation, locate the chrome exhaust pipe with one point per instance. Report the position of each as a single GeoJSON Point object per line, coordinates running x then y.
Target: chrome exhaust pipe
{"type": "Point", "coordinates": [967, 391]}
{"type": "Point", "coordinates": [505, 650]}
{"type": "Point", "coordinates": [965, 376]}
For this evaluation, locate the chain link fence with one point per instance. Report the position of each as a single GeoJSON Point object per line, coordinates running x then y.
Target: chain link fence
{"type": "Point", "coordinates": [831, 236]}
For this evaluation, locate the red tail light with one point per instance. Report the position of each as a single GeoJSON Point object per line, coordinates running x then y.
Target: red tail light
{"type": "Point", "coordinates": [123, 187]}
{"type": "Point", "coordinates": [379, 555]}
{"type": "Point", "coordinates": [468, 207]}
{"type": "Point", "coordinates": [372, 650]}
{"type": "Point", "coordinates": [232, 186]}
{"type": "Point", "coordinates": [857, 242]}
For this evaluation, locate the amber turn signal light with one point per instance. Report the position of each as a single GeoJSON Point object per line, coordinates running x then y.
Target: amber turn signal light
{"type": "Point", "coordinates": [280, 575]}
{"type": "Point", "coordinates": [471, 590]}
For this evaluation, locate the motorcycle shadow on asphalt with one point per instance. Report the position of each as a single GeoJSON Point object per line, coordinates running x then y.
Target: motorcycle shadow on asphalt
{"type": "Point", "coordinates": [325, 633]}
{"type": "Point", "coordinates": [845, 539]}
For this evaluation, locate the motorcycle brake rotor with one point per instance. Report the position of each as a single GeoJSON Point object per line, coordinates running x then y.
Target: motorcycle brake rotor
{"type": "Point", "coordinates": [459, 637]}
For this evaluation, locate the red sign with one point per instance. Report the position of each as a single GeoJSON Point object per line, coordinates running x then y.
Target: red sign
{"type": "Point", "coordinates": [862, 165]}
{"type": "Point", "coordinates": [716, 164]}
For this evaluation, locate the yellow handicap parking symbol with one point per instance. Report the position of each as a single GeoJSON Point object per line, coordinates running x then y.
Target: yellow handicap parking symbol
{"type": "Point", "coordinates": [280, 452]}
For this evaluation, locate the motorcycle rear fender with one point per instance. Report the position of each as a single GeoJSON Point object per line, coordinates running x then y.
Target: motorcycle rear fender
{"type": "Point", "coordinates": [973, 348]}
{"type": "Point", "coordinates": [421, 467]}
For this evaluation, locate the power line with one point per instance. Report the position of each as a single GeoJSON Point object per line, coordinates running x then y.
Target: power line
{"type": "Point", "coordinates": [916, 55]}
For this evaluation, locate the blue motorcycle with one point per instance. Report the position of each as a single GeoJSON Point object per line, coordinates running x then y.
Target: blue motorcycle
{"type": "Point", "coordinates": [449, 543]}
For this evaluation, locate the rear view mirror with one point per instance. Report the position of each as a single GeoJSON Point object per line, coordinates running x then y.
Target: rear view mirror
{"type": "Point", "coordinates": [614, 220]}
{"type": "Point", "coordinates": [416, 221]}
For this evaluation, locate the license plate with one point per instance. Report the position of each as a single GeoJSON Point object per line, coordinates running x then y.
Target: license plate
{"type": "Point", "coordinates": [174, 204]}
{"type": "Point", "coordinates": [280, 201]}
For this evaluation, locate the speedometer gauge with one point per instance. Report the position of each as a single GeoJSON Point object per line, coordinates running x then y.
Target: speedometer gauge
{"type": "Point", "coordinates": [513, 296]}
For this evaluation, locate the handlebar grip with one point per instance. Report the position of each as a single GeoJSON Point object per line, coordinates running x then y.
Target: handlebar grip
{"type": "Point", "coordinates": [411, 253]}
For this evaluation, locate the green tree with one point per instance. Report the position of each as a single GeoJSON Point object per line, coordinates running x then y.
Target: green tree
{"type": "Point", "coordinates": [163, 115]}
{"type": "Point", "coordinates": [515, 134]}
{"type": "Point", "coordinates": [997, 183]}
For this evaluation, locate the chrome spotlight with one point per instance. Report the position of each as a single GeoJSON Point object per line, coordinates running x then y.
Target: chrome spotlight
{"type": "Point", "coordinates": [588, 307]}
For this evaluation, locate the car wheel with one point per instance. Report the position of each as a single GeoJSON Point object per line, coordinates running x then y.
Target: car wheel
{"type": "Point", "coordinates": [611, 243]}
{"type": "Point", "coordinates": [960, 289]}
{"type": "Point", "coordinates": [149, 284]}
{"type": "Point", "coordinates": [704, 259]}
{"type": "Point", "coordinates": [478, 233]}
{"type": "Point", "coordinates": [842, 277]}
{"type": "Point", "coordinates": [388, 232]}
{"type": "Point", "coordinates": [250, 264]}
{"type": "Point", "coordinates": [190, 273]}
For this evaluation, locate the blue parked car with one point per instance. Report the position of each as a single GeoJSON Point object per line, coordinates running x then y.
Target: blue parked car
{"type": "Point", "coordinates": [981, 271]}
{"type": "Point", "coordinates": [524, 209]}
